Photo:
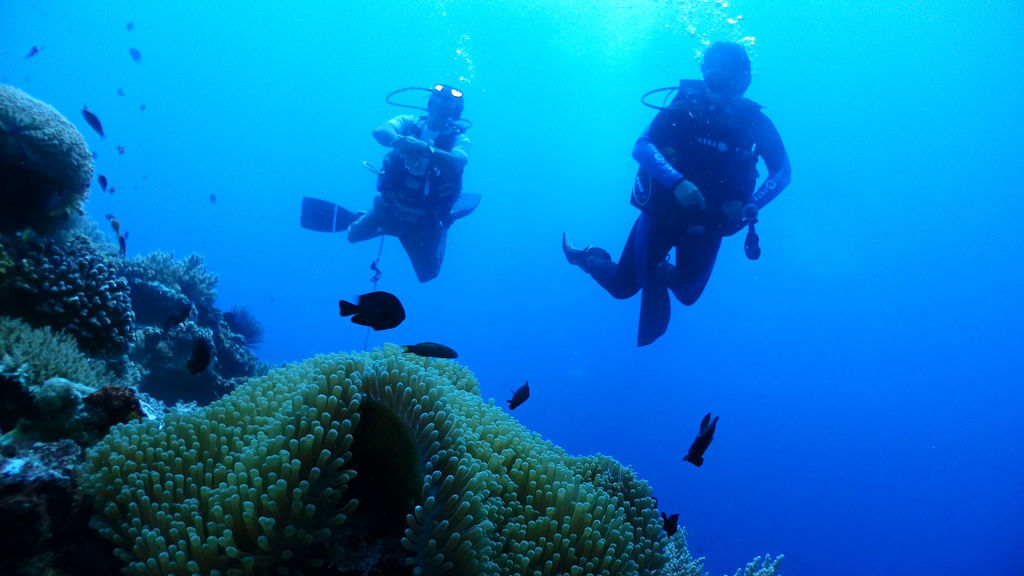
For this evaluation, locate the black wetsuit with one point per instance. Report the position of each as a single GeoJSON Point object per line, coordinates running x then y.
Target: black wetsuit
{"type": "Point", "coordinates": [716, 148]}
{"type": "Point", "coordinates": [416, 197]}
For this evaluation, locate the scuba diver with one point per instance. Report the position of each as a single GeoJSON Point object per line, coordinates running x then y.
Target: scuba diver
{"type": "Point", "coordinates": [420, 184]}
{"type": "Point", "coordinates": [695, 185]}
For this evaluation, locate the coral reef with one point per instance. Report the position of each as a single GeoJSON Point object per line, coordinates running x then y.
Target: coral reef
{"type": "Point", "coordinates": [45, 165]}
{"type": "Point", "coordinates": [761, 567]}
{"type": "Point", "coordinates": [112, 405]}
{"type": "Point", "coordinates": [165, 353]}
{"type": "Point", "coordinates": [35, 355]}
{"type": "Point", "coordinates": [242, 322]}
{"type": "Point", "coordinates": [365, 463]}
{"type": "Point", "coordinates": [49, 391]}
{"type": "Point", "coordinates": [680, 562]}
{"type": "Point", "coordinates": [174, 309]}
{"type": "Point", "coordinates": [5, 259]}
{"type": "Point", "coordinates": [42, 529]}
{"type": "Point", "coordinates": [187, 277]}
{"type": "Point", "coordinates": [68, 284]}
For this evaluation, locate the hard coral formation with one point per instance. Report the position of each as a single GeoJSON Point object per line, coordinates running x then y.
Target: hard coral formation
{"type": "Point", "coordinates": [44, 528]}
{"type": "Point", "coordinates": [242, 322]}
{"type": "Point", "coordinates": [49, 391]}
{"type": "Point", "coordinates": [680, 562]}
{"type": "Point", "coordinates": [187, 277]}
{"type": "Point", "coordinates": [165, 353]}
{"type": "Point", "coordinates": [761, 567]}
{"type": "Point", "coordinates": [364, 463]}
{"type": "Point", "coordinates": [174, 306]}
{"type": "Point", "coordinates": [70, 285]}
{"type": "Point", "coordinates": [45, 165]}
{"type": "Point", "coordinates": [36, 493]}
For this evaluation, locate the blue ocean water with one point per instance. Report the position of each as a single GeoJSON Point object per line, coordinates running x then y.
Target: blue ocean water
{"type": "Point", "coordinates": [866, 369]}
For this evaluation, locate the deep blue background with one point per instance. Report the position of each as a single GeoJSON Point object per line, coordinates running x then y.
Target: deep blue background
{"type": "Point", "coordinates": [866, 369]}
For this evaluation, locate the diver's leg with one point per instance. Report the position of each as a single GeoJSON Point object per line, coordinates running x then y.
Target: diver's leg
{"type": "Point", "coordinates": [617, 278]}
{"type": "Point", "coordinates": [655, 305]}
{"type": "Point", "coordinates": [644, 249]}
{"type": "Point", "coordinates": [695, 259]}
{"type": "Point", "coordinates": [655, 311]}
{"type": "Point", "coordinates": [370, 224]}
{"type": "Point", "coordinates": [425, 244]}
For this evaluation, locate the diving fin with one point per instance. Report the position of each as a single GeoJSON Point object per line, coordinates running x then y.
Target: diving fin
{"type": "Point", "coordinates": [323, 216]}
{"type": "Point", "coordinates": [655, 310]}
{"type": "Point", "coordinates": [464, 206]}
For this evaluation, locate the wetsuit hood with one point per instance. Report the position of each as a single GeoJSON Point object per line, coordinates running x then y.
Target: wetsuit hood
{"type": "Point", "coordinates": [726, 69]}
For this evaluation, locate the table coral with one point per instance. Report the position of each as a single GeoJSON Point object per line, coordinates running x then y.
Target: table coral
{"type": "Point", "coordinates": [322, 462]}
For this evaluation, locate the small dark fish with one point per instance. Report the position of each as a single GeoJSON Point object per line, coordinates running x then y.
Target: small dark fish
{"type": "Point", "coordinates": [135, 54]}
{"type": "Point", "coordinates": [32, 52]}
{"type": "Point", "coordinates": [213, 198]}
{"type": "Point", "coordinates": [120, 150]}
{"type": "Point", "coordinates": [142, 108]}
{"type": "Point", "coordinates": [430, 350]}
{"type": "Point", "coordinates": [122, 239]}
{"type": "Point", "coordinates": [114, 224]}
{"type": "Point", "coordinates": [519, 396]}
{"type": "Point", "coordinates": [671, 523]}
{"type": "Point", "coordinates": [378, 310]}
{"type": "Point", "coordinates": [695, 455]}
{"type": "Point", "coordinates": [112, 190]}
{"type": "Point", "coordinates": [178, 317]}
{"type": "Point", "coordinates": [103, 182]}
{"type": "Point", "coordinates": [200, 358]}
{"type": "Point", "coordinates": [92, 120]}
{"type": "Point", "coordinates": [129, 26]}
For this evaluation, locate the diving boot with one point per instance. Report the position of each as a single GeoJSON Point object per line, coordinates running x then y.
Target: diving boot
{"type": "Point", "coordinates": [583, 257]}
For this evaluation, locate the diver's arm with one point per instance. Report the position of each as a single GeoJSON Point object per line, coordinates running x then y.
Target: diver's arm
{"type": "Point", "coordinates": [457, 157]}
{"type": "Point", "coordinates": [387, 133]}
{"type": "Point", "coordinates": [770, 147]}
{"type": "Point", "coordinates": [647, 154]}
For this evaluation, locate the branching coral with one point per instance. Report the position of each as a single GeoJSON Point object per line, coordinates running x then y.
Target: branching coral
{"type": "Point", "coordinates": [761, 567]}
{"type": "Point", "coordinates": [37, 354]}
{"type": "Point", "coordinates": [71, 286]}
{"type": "Point", "coordinates": [680, 562]}
{"type": "Point", "coordinates": [45, 165]}
{"type": "Point", "coordinates": [397, 452]}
